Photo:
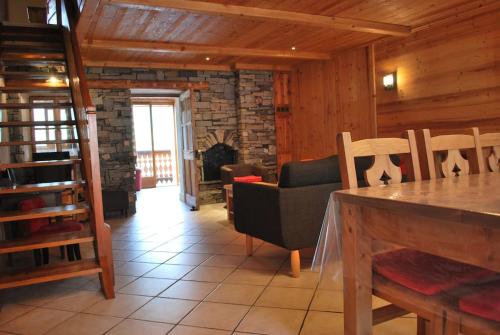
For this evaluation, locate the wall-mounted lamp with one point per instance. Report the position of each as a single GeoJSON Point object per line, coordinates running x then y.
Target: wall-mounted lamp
{"type": "Point", "coordinates": [390, 81]}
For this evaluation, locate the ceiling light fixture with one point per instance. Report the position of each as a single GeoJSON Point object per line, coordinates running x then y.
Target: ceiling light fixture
{"type": "Point", "coordinates": [207, 58]}
{"type": "Point", "coordinates": [294, 48]}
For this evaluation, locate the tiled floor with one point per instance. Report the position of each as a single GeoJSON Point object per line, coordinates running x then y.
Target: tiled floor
{"type": "Point", "coordinates": [185, 273]}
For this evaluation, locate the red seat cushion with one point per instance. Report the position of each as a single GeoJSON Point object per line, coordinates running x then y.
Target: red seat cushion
{"type": "Point", "coordinates": [33, 225]}
{"type": "Point", "coordinates": [425, 273]}
{"type": "Point", "coordinates": [248, 179]}
{"type": "Point", "coordinates": [60, 227]}
{"type": "Point", "coordinates": [485, 302]}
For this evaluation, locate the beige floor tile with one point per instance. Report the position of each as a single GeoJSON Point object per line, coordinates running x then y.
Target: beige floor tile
{"type": "Point", "coordinates": [164, 310]}
{"type": "Point", "coordinates": [11, 311]}
{"type": "Point", "coordinates": [135, 269]}
{"type": "Point", "coordinates": [186, 330]}
{"type": "Point", "coordinates": [173, 247]}
{"type": "Point", "coordinates": [328, 301]}
{"type": "Point", "coordinates": [221, 238]}
{"type": "Point", "coordinates": [35, 322]}
{"type": "Point", "coordinates": [185, 258]}
{"type": "Point", "coordinates": [233, 249]}
{"type": "Point", "coordinates": [143, 245]}
{"type": "Point", "coordinates": [306, 280]}
{"type": "Point", "coordinates": [147, 286]}
{"type": "Point", "coordinates": [400, 326]}
{"type": "Point", "coordinates": [139, 327]}
{"type": "Point", "coordinates": [155, 257]}
{"type": "Point", "coordinates": [121, 281]}
{"type": "Point", "coordinates": [204, 248]}
{"type": "Point", "coordinates": [269, 250]}
{"type": "Point", "coordinates": [75, 301]}
{"type": "Point", "coordinates": [225, 261]}
{"type": "Point", "coordinates": [215, 315]}
{"type": "Point", "coordinates": [121, 306]}
{"type": "Point", "coordinates": [35, 295]}
{"type": "Point", "coordinates": [250, 277]}
{"type": "Point", "coordinates": [286, 297]}
{"type": "Point", "coordinates": [126, 255]}
{"type": "Point", "coordinates": [208, 274]}
{"type": "Point", "coordinates": [85, 324]}
{"type": "Point", "coordinates": [272, 321]}
{"type": "Point", "coordinates": [235, 294]}
{"type": "Point", "coordinates": [323, 323]}
{"type": "Point", "coordinates": [191, 290]}
{"type": "Point", "coordinates": [170, 271]}
{"type": "Point", "coordinates": [262, 263]}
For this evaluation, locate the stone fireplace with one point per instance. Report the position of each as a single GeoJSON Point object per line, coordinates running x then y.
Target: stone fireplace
{"type": "Point", "coordinates": [214, 158]}
{"type": "Point", "coordinates": [220, 149]}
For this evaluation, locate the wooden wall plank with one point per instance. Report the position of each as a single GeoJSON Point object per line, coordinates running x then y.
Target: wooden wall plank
{"type": "Point", "coordinates": [329, 97]}
{"type": "Point", "coordinates": [448, 79]}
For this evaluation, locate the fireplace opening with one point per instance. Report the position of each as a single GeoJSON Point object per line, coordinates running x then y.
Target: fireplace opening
{"type": "Point", "coordinates": [218, 155]}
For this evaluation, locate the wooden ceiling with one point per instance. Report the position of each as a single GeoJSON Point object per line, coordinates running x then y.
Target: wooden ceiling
{"type": "Point", "coordinates": [260, 34]}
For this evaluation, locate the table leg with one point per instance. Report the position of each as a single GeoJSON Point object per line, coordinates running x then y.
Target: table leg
{"type": "Point", "coordinates": [357, 269]}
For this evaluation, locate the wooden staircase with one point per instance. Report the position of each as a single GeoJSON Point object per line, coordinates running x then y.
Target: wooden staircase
{"type": "Point", "coordinates": [44, 60]}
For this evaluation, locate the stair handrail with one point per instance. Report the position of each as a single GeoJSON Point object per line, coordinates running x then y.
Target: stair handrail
{"type": "Point", "coordinates": [85, 115]}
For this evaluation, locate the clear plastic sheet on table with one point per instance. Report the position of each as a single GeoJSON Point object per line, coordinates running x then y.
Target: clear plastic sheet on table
{"type": "Point", "coordinates": [329, 297]}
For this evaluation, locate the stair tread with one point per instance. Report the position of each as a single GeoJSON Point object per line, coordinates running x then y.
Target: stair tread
{"type": "Point", "coordinates": [48, 273]}
{"type": "Point", "coordinates": [34, 105]}
{"type": "Point", "coordinates": [45, 241]}
{"type": "Point", "coordinates": [17, 89]}
{"type": "Point", "coordinates": [41, 187]}
{"type": "Point", "coordinates": [27, 57]}
{"type": "Point", "coordinates": [26, 74]}
{"type": "Point", "coordinates": [19, 143]}
{"type": "Point", "coordinates": [46, 212]}
{"type": "Point", "coordinates": [36, 123]}
{"type": "Point", "coordinates": [39, 163]}
{"type": "Point", "coordinates": [34, 27]}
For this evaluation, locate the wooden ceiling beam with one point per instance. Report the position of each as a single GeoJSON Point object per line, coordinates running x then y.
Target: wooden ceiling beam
{"type": "Point", "coordinates": [180, 66]}
{"type": "Point", "coordinates": [268, 14]}
{"type": "Point", "coordinates": [167, 47]}
{"type": "Point", "coordinates": [156, 65]}
{"type": "Point", "coordinates": [158, 84]}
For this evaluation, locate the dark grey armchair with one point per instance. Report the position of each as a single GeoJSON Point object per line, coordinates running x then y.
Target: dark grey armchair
{"type": "Point", "coordinates": [290, 214]}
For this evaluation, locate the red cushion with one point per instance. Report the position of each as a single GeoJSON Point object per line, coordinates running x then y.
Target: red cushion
{"type": "Point", "coordinates": [425, 273]}
{"type": "Point", "coordinates": [485, 302]}
{"type": "Point", "coordinates": [60, 227]}
{"type": "Point", "coordinates": [33, 225]}
{"type": "Point", "coordinates": [248, 179]}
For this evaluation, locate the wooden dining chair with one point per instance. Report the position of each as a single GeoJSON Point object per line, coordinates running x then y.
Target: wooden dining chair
{"type": "Point", "coordinates": [450, 155]}
{"type": "Point", "coordinates": [404, 277]}
{"type": "Point", "coordinates": [490, 143]}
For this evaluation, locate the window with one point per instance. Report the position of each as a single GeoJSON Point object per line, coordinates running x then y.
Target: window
{"type": "Point", "coordinates": [51, 128]}
{"type": "Point", "coordinates": [37, 14]}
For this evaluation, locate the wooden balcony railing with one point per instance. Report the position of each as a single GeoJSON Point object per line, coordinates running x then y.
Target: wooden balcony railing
{"type": "Point", "coordinates": [163, 164]}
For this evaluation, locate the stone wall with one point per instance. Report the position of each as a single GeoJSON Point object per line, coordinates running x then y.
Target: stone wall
{"type": "Point", "coordinates": [256, 127]}
{"type": "Point", "coordinates": [116, 141]}
{"type": "Point", "coordinates": [220, 114]}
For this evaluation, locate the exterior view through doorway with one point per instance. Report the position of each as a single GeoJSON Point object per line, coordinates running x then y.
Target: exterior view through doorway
{"type": "Point", "coordinates": [156, 141]}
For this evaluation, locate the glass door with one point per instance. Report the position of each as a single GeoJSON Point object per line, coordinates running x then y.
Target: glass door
{"type": "Point", "coordinates": [155, 141]}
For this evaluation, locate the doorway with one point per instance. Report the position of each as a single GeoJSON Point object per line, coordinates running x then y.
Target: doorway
{"type": "Point", "coordinates": [155, 141]}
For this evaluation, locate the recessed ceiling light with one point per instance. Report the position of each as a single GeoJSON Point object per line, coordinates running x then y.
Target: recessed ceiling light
{"type": "Point", "coordinates": [207, 58]}
{"type": "Point", "coordinates": [293, 48]}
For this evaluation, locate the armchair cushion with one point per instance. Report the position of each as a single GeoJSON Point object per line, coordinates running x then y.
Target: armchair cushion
{"type": "Point", "coordinates": [248, 179]}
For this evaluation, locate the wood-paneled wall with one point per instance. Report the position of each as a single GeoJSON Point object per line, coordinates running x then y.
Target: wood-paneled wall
{"type": "Point", "coordinates": [448, 78]}
{"type": "Point", "coordinates": [329, 97]}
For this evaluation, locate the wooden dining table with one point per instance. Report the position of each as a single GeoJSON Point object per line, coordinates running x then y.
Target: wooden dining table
{"type": "Point", "coordinates": [457, 218]}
